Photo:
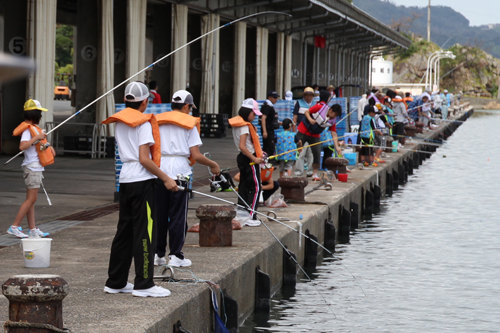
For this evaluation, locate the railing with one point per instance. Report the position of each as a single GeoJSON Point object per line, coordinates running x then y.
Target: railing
{"type": "Point", "coordinates": [98, 139]}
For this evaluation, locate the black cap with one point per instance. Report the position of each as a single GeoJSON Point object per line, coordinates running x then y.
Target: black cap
{"type": "Point", "coordinates": [273, 94]}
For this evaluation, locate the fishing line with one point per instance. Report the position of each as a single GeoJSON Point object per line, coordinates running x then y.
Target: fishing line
{"type": "Point", "coordinates": [151, 65]}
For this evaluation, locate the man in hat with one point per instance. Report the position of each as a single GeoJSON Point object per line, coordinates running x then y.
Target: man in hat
{"type": "Point", "coordinates": [299, 111]}
{"type": "Point", "coordinates": [331, 90]}
{"type": "Point", "coordinates": [269, 122]}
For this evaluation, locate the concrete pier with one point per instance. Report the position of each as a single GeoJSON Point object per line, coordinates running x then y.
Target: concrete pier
{"type": "Point", "coordinates": [80, 255]}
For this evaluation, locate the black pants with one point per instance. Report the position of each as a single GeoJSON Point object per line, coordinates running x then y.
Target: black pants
{"type": "Point", "coordinates": [135, 237]}
{"type": "Point", "coordinates": [268, 144]}
{"type": "Point", "coordinates": [267, 193]}
{"type": "Point", "coordinates": [327, 152]}
{"type": "Point", "coordinates": [398, 131]}
{"type": "Point", "coordinates": [171, 217]}
{"type": "Point", "coordinates": [249, 188]}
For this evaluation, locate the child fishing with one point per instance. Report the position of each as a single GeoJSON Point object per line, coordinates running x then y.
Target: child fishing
{"type": "Point", "coordinates": [286, 143]}
{"type": "Point", "coordinates": [37, 154]}
{"type": "Point", "coordinates": [247, 142]}
{"type": "Point", "coordinates": [138, 138]}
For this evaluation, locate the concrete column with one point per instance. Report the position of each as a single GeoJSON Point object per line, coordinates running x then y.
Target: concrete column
{"type": "Point", "coordinates": [120, 45]}
{"type": "Point", "coordinates": [43, 50]}
{"type": "Point", "coordinates": [210, 63]}
{"type": "Point", "coordinates": [86, 52]}
{"type": "Point", "coordinates": [280, 63]}
{"type": "Point", "coordinates": [287, 70]}
{"type": "Point", "coordinates": [240, 40]}
{"type": "Point", "coordinates": [136, 38]}
{"type": "Point", "coordinates": [261, 64]}
{"type": "Point", "coordinates": [162, 45]}
{"type": "Point", "coordinates": [180, 28]}
{"type": "Point", "coordinates": [13, 93]}
{"type": "Point", "coordinates": [105, 68]}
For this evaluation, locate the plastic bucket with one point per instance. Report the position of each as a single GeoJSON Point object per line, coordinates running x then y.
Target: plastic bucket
{"type": "Point", "coordinates": [36, 252]}
{"type": "Point", "coordinates": [342, 177]}
{"type": "Point", "coordinates": [395, 146]}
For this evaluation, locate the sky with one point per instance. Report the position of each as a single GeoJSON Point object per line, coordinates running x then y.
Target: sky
{"type": "Point", "coordinates": [478, 12]}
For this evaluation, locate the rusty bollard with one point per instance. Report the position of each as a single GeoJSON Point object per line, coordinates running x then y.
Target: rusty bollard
{"type": "Point", "coordinates": [216, 228]}
{"type": "Point", "coordinates": [292, 188]}
{"type": "Point", "coordinates": [419, 127]}
{"type": "Point", "coordinates": [336, 165]}
{"type": "Point", "coordinates": [410, 130]}
{"type": "Point", "coordinates": [35, 303]}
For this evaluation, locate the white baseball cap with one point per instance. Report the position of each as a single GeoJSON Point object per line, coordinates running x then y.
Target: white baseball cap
{"type": "Point", "coordinates": [183, 96]}
{"type": "Point", "coordinates": [445, 91]}
{"type": "Point", "coordinates": [250, 103]}
{"type": "Point", "coordinates": [288, 95]}
{"type": "Point", "coordinates": [136, 92]}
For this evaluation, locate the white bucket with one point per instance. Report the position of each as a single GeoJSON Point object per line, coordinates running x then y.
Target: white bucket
{"type": "Point", "coordinates": [36, 252]}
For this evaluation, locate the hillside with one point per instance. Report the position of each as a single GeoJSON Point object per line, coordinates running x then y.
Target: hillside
{"type": "Point", "coordinates": [473, 70]}
{"type": "Point", "coordinates": [448, 27]}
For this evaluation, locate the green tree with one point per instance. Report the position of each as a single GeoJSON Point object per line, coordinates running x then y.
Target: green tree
{"type": "Point", "coordinates": [64, 45]}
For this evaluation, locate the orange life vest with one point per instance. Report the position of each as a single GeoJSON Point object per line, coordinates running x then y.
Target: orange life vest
{"type": "Point", "coordinates": [45, 156]}
{"type": "Point", "coordinates": [407, 101]}
{"type": "Point", "coordinates": [182, 120]}
{"type": "Point", "coordinates": [134, 118]}
{"type": "Point", "coordinates": [266, 174]}
{"type": "Point", "coordinates": [239, 122]}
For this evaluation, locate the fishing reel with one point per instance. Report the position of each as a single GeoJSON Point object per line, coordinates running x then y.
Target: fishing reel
{"type": "Point", "coordinates": [183, 178]}
{"type": "Point", "coordinates": [44, 146]}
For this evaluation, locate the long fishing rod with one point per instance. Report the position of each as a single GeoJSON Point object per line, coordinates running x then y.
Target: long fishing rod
{"type": "Point", "coordinates": [151, 65]}
{"type": "Point", "coordinates": [385, 147]}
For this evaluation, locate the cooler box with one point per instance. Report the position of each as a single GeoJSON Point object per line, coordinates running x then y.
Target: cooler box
{"type": "Point", "coordinates": [352, 158]}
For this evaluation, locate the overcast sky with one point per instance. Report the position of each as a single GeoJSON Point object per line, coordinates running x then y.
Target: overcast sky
{"type": "Point", "coordinates": [478, 12]}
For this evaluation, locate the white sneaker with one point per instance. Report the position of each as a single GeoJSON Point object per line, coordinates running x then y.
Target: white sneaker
{"type": "Point", "coordinates": [177, 262]}
{"type": "Point", "coordinates": [298, 173]}
{"type": "Point", "coordinates": [37, 233]}
{"type": "Point", "coordinates": [126, 290]}
{"type": "Point", "coordinates": [16, 231]}
{"type": "Point", "coordinates": [252, 223]}
{"type": "Point", "coordinates": [309, 174]}
{"type": "Point", "coordinates": [160, 261]}
{"type": "Point", "coordinates": [155, 291]}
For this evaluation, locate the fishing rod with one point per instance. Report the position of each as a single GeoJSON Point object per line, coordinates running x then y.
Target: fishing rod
{"type": "Point", "coordinates": [151, 65]}
{"type": "Point", "coordinates": [269, 218]}
{"type": "Point", "coordinates": [385, 147]}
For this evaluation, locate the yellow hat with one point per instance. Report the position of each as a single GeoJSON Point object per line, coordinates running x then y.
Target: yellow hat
{"type": "Point", "coordinates": [33, 104]}
{"type": "Point", "coordinates": [308, 90]}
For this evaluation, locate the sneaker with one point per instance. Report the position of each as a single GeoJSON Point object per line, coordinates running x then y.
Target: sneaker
{"type": "Point", "coordinates": [316, 178]}
{"type": "Point", "coordinates": [374, 164]}
{"type": "Point", "coordinates": [252, 223]}
{"type": "Point", "coordinates": [125, 290]}
{"type": "Point", "coordinates": [366, 164]}
{"type": "Point", "coordinates": [379, 160]}
{"type": "Point", "coordinates": [309, 174]}
{"type": "Point", "coordinates": [155, 291]}
{"type": "Point", "coordinates": [16, 231]}
{"type": "Point", "coordinates": [177, 262]}
{"type": "Point", "coordinates": [38, 232]}
{"type": "Point", "coordinates": [298, 173]}
{"type": "Point", "coordinates": [160, 261]}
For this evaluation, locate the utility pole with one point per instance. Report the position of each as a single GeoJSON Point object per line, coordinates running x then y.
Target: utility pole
{"type": "Point", "coordinates": [429, 22]}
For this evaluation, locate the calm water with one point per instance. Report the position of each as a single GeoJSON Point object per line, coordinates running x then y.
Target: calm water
{"type": "Point", "coordinates": [428, 262]}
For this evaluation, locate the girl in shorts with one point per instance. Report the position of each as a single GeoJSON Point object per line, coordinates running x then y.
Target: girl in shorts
{"type": "Point", "coordinates": [37, 154]}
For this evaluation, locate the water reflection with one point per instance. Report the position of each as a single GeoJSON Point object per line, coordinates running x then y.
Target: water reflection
{"type": "Point", "coordinates": [428, 261]}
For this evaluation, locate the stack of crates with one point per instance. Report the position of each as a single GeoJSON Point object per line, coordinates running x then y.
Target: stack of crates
{"type": "Point", "coordinates": [213, 125]}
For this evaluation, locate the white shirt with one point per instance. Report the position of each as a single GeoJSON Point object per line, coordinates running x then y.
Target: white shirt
{"type": "Point", "coordinates": [129, 139]}
{"type": "Point", "coordinates": [31, 160]}
{"type": "Point", "coordinates": [175, 149]}
{"type": "Point", "coordinates": [238, 132]}
{"type": "Point", "coordinates": [361, 107]}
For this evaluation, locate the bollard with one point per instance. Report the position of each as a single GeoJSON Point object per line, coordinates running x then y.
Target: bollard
{"type": "Point", "coordinates": [179, 329]}
{"type": "Point", "coordinates": [354, 215]}
{"type": "Point", "coordinates": [262, 291]}
{"type": "Point", "coordinates": [35, 303]}
{"type": "Point", "coordinates": [289, 269]}
{"type": "Point", "coordinates": [330, 236]}
{"type": "Point", "coordinates": [311, 251]}
{"type": "Point", "coordinates": [410, 130]}
{"type": "Point", "coordinates": [231, 312]}
{"type": "Point", "coordinates": [337, 165]}
{"type": "Point", "coordinates": [215, 225]}
{"type": "Point", "coordinates": [419, 127]}
{"type": "Point", "coordinates": [411, 163]}
{"type": "Point", "coordinates": [388, 184]}
{"type": "Point", "coordinates": [377, 194]}
{"type": "Point", "coordinates": [395, 180]}
{"type": "Point", "coordinates": [292, 188]}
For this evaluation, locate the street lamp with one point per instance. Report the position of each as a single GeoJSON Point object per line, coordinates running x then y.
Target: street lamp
{"type": "Point", "coordinates": [437, 65]}
{"type": "Point", "coordinates": [429, 61]}
{"type": "Point", "coordinates": [377, 53]}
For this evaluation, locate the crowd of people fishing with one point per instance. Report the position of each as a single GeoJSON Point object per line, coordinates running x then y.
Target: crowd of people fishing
{"type": "Point", "coordinates": [158, 151]}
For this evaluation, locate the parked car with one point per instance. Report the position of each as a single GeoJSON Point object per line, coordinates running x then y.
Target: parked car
{"type": "Point", "coordinates": [62, 92]}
